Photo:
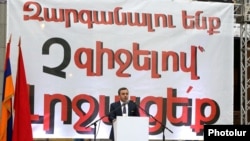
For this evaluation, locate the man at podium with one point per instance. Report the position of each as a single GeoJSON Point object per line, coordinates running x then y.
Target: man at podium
{"type": "Point", "coordinates": [123, 107]}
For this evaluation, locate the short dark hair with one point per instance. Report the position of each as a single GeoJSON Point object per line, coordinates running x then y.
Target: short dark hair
{"type": "Point", "coordinates": [122, 88]}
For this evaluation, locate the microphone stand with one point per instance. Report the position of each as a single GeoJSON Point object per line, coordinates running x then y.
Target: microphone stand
{"type": "Point", "coordinates": [162, 125]}
{"type": "Point", "coordinates": [94, 123]}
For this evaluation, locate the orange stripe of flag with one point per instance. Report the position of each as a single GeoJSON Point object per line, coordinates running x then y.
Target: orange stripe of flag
{"type": "Point", "coordinates": [8, 93]}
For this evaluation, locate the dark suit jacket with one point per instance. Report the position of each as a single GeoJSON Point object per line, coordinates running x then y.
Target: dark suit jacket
{"type": "Point", "coordinates": [115, 110]}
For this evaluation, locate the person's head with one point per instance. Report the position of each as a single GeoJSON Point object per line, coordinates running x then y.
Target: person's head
{"type": "Point", "coordinates": [123, 94]}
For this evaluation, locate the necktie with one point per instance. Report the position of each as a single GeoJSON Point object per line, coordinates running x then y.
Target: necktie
{"type": "Point", "coordinates": [124, 109]}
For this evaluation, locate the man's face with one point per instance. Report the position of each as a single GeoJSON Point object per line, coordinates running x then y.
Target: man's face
{"type": "Point", "coordinates": [123, 95]}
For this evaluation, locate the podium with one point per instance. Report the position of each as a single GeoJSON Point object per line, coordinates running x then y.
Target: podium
{"type": "Point", "coordinates": [131, 128]}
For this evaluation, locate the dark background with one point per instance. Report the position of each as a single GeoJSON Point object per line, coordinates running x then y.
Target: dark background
{"type": "Point", "coordinates": [237, 63]}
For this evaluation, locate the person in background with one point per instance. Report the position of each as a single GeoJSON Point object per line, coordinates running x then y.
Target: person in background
{"type": "Point", "coordinates": [127, 108]}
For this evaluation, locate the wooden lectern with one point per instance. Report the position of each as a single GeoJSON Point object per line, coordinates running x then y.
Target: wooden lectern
{"type": "Point", "coordinates": [131, 128]}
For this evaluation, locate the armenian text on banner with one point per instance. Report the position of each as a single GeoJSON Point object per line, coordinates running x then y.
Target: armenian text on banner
{"type": "Point", "coordinates": [175, 57]}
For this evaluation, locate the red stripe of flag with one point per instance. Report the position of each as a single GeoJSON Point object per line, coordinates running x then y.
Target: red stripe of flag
{"type": "Point", "coordinates": [22, 130]}
{"type": "Point", "coordinates": [6, 119]}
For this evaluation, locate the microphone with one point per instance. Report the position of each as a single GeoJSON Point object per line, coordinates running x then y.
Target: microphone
{"type": "Point", "coordinates": [138, 106]}
{"type": "Point", "coordinates": [111, 112]}
{"type": "Point", "coordinates": [124, 103]}
{"type": "Point", "coordinates": [119, 107]}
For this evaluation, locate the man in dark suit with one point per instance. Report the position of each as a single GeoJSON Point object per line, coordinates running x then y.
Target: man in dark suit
{"type": "Point", "coordinates": [127, 108]}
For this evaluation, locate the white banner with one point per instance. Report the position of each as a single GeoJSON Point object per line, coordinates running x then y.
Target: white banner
{"type": "Point", "coordinates": [175, 57]}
